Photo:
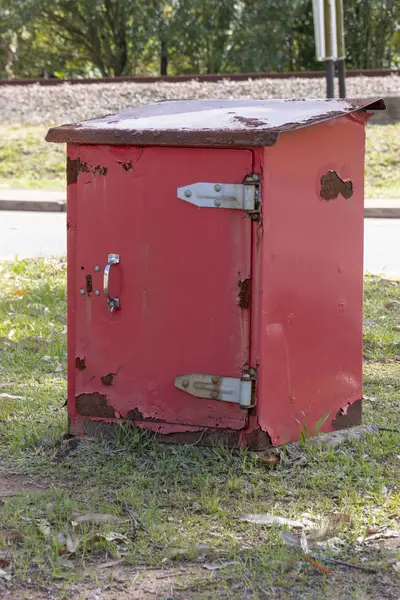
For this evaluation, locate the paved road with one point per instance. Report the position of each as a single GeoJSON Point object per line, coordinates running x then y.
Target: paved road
{"type": "Point", "coordinates": [43, 234]}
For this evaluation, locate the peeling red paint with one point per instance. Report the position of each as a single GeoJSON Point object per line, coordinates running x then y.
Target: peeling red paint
{"type": "Point", "coordinates": [80, 363]}
{"type": "Point", "coordinates": [332, 185]}
{"type": "Point", "coordinates": [94, 405]}
{"type": "Point", "coordinates": [244, 293]}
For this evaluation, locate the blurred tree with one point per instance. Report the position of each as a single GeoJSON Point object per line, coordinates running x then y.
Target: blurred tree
{"type": "Point", "coordinates": [123, 37]}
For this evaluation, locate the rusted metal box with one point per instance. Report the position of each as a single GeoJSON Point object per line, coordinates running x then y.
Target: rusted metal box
{"type": "Point", "coordinates": [215, 268]}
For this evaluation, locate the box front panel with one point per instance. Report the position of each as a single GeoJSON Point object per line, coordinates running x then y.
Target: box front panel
{"type": "Point", "coordinates": [310, 342]}
{"type": "Point", "coordinates": [178, 282]}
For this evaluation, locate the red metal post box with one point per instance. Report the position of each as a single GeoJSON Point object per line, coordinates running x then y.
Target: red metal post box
{"type": "Point", "coordinates": [215, 268]}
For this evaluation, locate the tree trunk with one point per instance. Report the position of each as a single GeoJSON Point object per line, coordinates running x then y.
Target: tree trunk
{"type": "Point", "coordinates": [164, 58]}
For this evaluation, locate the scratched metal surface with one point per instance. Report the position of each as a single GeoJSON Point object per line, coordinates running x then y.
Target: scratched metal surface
{"type": "Point", "coordinates": [208, 122]}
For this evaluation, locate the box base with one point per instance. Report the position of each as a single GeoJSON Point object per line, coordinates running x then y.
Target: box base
{"type": "Point", "coordinates": [256, 440]}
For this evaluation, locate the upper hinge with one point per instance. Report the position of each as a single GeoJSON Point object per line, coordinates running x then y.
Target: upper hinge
{"type": "Point", "coordinates": [226, 389]}
{"type": "Point", "coordinates": [242, 196]}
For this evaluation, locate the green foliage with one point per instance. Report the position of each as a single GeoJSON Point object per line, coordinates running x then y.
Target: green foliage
{"type": "Point", "coordinates": [123, 37]}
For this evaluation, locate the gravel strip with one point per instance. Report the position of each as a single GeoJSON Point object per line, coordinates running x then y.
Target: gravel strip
{"type": "Point", "coordinates": [67, 103]}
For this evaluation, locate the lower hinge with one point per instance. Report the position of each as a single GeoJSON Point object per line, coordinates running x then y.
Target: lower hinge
{"type": "Point", "coordinates": [242, 196]}
{"type": "Point", "coordinates": [226, 389]}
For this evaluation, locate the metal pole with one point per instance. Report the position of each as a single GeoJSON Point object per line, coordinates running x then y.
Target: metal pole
{"type": "Point", "coordinates": [341, 48]}
{"type": "Point", "coordinates": [330, 78]}
{"type": "Point", "coordinates": [329, 64]}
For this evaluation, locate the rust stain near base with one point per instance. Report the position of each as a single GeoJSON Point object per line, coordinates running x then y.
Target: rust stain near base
{"type": "Point", "coordinates": [258, 440]}
{"type": "Point", "coordinates": [244, 293]}
{"type": "Point", "coordinates": [94, 405]}
{"type": "Point", "coordinates": [348, 417]}
{"type": "Point", "coordinates": [332, 185]}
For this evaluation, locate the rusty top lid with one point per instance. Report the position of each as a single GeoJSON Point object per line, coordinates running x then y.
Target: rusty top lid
{"type": "Point", "coordinates": [208, 122]}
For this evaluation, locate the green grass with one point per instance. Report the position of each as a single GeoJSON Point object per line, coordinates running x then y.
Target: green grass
{"type": "Point", "coordinates": [178, 505]}
{"type": "Point", "coordinates": [27, 161]}
{"type": "Point", "coordinates": [382, 164]}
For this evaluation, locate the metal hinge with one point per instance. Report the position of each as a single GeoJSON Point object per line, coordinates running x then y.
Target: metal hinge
{"type": "Point", "coordinates": [227, 389]}
{"type": "Point", "coordinates": [242, 196]}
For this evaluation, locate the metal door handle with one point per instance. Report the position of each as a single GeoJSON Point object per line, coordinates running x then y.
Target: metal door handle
{"type": "Point", "coordinates": [112, 303]}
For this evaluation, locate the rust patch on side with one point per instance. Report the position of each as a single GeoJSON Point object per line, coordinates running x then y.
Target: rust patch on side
{"type": "Point", "coordinates": [94, 405]}
{"type": "Point", "coordinates": [350, 417]}
{"type": "Point", "coordinates": [89, 284]}
{"type": "Point", "coordinates": [258, 440]}
{"type": "Point", "coordinates": [108, 379]}
{"type": "Point", "coordinates": [72, 170]}
{"type": "Point", "coordinates": [127, 166]}
{"type": "Point", "coordinates": [80, 363]}
{"type": "Point", "coordinates": [244, 293]}
{"type": "Point", "coordinates": [332, 185]}
{"type": "Point", "coordinates": [83, 167]}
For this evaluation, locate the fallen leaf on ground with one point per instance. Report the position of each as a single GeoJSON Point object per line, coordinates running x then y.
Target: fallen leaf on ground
{"type": "Point", "coordinates": [266, 519]}
{"type": "Point", "coordinates": [268, 460]}
{"type": "Point", "coordinates": [111, 563]}
{"type": "Point", "coordinates": [4, 562]}
{"type": "Point", "coordinates": [330, 526]}
{"type": "Point", "coordinates": [64, 562]}
{"type": "Point", "coordinates": [72, 542]}
{"type": "Point", "coordinates": [392, 304]}
{"type": "Point", "coordinates": [304, 543]}
{"type": "Point", "coordinates": [94, 518]}
{"type": "Point", "coordinates": [290, 540]}
{"type": "Point", "coordinates": [380, 535]}
{"type": "Point", "coordinates": [316, 564]}
{"type": "Point", "coordinates": [332, 544]}
{"type": "Point", "coordinates": [107, 537]}
{"type": "Point", "coordinates": [4, 575]}
{"type": "Point", "coordinates": [394, 516]}
{"type": "Point", "coordinates": [43, 527]}
{"type": "Point", "coordinates": [14, 536]}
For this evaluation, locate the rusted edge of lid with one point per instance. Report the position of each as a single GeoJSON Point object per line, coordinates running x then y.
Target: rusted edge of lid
{"type": "Point", "coordinates": [83, 133]}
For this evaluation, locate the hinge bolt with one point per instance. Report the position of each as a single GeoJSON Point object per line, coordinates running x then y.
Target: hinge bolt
{"type": "Point", "coordinates": [217, 187]}
{"type": "Point", "coordinates": [215, 379]}
{"type": "Point", "coordinates": [217, 202]}
{"type": "Point", "coordinates": [97, 293]}
{"type": "Point", "coordinates": [185, 383]}
{"type": "Point", "coordinates": [82, 292]}
{"type": "Point", "coordinates": [214, 395]}
{"type": "Point", "coordinates": [97, 268]}
{"type": "Point", "coordinates": [188, 193]}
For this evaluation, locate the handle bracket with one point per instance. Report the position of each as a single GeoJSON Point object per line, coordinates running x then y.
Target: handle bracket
{"type": "Point", "coordinates": [112, 303]}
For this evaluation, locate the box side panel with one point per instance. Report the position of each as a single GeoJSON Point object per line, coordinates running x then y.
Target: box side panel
{"type": "Point", "coordinates": [72, 191]}
{"type": "Point", "coordinates": [311, 278]}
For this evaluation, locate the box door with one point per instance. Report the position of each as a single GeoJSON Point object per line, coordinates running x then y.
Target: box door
{"type": "Point", "coordinates": [181, 276]}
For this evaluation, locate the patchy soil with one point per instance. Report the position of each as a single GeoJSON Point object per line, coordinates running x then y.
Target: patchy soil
{"type": "Point", "coordinates": [105, 582]}
{"type": "Point", "coordinates": [10, 485]}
